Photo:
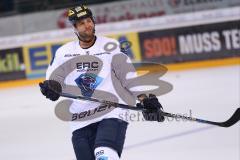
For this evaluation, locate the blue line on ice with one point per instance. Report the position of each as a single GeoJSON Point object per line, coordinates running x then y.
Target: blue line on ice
{"type": "Point", "coordinates": [168, 137]}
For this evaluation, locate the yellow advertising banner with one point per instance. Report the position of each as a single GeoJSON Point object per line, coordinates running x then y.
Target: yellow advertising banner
{"type": "Point", "coordinates": [37, 58]}
{"type": "Point", "coordinates": [134, 51]}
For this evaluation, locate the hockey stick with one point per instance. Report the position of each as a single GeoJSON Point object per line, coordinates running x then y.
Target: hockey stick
{"type": "Point", "coordinates": [231, 121]}
{"type": "Point", "coordinates": [228, 123]}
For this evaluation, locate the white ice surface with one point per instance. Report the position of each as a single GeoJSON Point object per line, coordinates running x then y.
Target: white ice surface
{"type": "Point", "coordinates": [29, 129]}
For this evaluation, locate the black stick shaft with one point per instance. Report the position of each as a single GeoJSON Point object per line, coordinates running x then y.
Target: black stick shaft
{"type": "Point", "coordinates": [124, 106]}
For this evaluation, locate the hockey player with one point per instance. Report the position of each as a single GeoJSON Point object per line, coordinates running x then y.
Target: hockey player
{"type": "Point", "coordinates": [100, 138]}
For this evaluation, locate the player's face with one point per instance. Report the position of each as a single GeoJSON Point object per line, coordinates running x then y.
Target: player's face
{"type": "Point", "coordinates": [85, 28]}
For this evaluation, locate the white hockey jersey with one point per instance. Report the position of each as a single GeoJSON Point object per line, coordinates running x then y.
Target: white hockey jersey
{"type": "Point", "coordinates": [97, 69]}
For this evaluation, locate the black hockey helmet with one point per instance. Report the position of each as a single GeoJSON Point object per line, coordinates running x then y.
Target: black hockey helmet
{"type": "Point", "coordinates": [78, 13]}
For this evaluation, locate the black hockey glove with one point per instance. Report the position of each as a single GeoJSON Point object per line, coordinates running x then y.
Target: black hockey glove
{"type": "Point", "coordinates": [51, 89]}
{"type": "Point", "coordinates": [152, 109]}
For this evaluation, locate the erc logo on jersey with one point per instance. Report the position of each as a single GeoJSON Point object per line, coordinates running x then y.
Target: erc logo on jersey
{"type": "Point", "coordinates": [88, 82]}
{"type": "Point", "coordinates": [87, 66]}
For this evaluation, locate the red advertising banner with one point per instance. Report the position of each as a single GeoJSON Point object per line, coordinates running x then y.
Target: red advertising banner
{"type": "Point", "coordinates": [208, 41]}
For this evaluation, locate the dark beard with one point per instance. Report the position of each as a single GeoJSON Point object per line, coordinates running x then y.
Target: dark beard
{"type": "Point", "coordinates": [85, 37]}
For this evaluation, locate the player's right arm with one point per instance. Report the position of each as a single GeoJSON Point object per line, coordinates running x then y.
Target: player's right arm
{"type": "Point", "coordinates": [46, 87]}
{"type": "Point", "coordinates": [54, 64]}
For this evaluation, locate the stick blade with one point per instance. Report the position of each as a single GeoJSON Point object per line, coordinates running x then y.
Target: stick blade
{"type": "Point", "coordinates": [232, 120]}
